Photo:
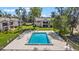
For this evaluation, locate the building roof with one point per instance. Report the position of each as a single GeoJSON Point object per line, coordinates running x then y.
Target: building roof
{"type": "Point", "coordinates": [41, 19]}
{"type": "Point", "coordinates": [8, 19]}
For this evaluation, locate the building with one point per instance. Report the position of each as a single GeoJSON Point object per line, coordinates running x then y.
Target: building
{"type": "Point", "coordinates": [7, 23]}
{"type": "Point", "coordinates": [42, 22]}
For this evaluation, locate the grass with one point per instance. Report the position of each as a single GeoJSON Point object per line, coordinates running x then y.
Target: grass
{"type": "Point", "coordinates": [41, 28]}
{"type": "Point", "coordinates": [7, 37]}
{"type": "Point", "coordinates": [30, 27]}
{"type": "Point", "coordinates": [38, 28]}
{"type": "Point", "coordinates": [27, 27]}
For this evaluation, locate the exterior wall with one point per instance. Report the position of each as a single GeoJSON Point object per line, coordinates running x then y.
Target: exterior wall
{"type": "Point", "coordinates": [41, 22]}
{"type": "Point", "coordinates": [21, 22]}
{"type": "Point", "coordinates": [1, 28]}
{"type": "Point", "coordinates": [15, 22]}
{"type": "Point", "coordinates": [8, 25]}
{"type": "Point", "coordinates": [5, 27]}
{"type": "Point", "coordinates": [47, 24]}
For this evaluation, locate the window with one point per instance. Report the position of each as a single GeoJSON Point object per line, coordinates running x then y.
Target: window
{"type": "Point", "coordinates": [45, 22]}
{"type": "Point", "coordinates": [6, 28]}
{"type": "Point", "coordinates": [5, 24]}
{"type": "Point", "coordinates": [45, 25]}
{"type": "Point", "coordinates": [11, 23]}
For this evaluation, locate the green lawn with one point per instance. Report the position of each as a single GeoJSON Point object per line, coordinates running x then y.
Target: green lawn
{"type": "Point", "coordinates": [7, 37]}
{"type": "Point", "coordinates": [38, 28]}
{"type": "Point", "coordinates": [27, 27]}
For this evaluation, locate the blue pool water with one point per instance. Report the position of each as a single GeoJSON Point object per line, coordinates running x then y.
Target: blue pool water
{"type": "Point", "coordinates": [39, 38]}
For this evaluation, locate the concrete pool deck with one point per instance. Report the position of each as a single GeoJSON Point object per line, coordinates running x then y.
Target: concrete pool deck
{"type": "Point", "coordinates": [20, 44]}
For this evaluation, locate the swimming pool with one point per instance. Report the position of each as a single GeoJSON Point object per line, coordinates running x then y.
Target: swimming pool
{"type": "Point", "coordinates": [39, 38]}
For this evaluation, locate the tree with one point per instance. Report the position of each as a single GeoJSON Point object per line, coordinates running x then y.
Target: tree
{"type": "Point", "coordinates": [24, 15]}
{"type": "Point", "coordinates": [57, 23]}
{"type": "Point", "coordinates": [73, 15]}
{"type": "Point", "coordinates": [1, 13]}
{"type": "Point", "coordinates": [35, 12]}
{"type": "Point", "coordinates": [53, 14]}
{"type": "Point", "coordinates": [21, 13]}
{"type": "Point", "coordinates": [61, 19]}
{"type": "Point", "coordinates": [9, 15]}
{"type": "Point", "coordinates": [67, 19]}
{"type": "Point", "coordinates": [30, 17]}
{"type": "Point", "coordinates": [60, 10]}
